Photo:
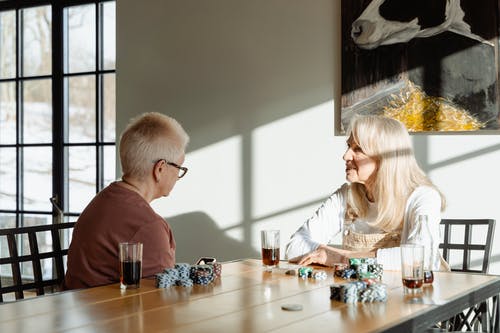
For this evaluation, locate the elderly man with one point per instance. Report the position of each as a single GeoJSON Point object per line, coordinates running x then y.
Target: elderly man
{"type": "Point", "coordinates": [152, 150]}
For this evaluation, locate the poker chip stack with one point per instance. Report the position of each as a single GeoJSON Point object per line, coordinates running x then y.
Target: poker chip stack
{"type": "Point", "coordinates": [376, 292]}
{"type": "Point", "coordinates": [339, 269]}
{"type": "Point", "coordinates": [167, 278]}
{"type": "Point", "coordinates": [217, 268]}
{"type": "Point", "coordinates": [185, 275]}
{"type": "Point", "coordinates": [184, 270]}
{"type": "Point", "coordinates": [184, 278]}
{"type": "Point", "coordinates": [308, 272]}
{"type": "Point", "coordinates": [202, 274]}
{"type": "Point", "coordinates": [348, 273]}
{"type": "Point", "coordinates": [349, 292]}
{"type": "Point", "coordinates": [305, 272]}
{"type": "Point", "coordinates": [366, 289]}
{"type": "Point", "coordinates": [358, 291]}
{"type": "Point", "coordinates": [376, 270]}
{"type": "Point", "coordinates": [360, 268]}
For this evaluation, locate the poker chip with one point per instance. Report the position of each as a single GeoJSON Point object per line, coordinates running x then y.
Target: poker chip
{"type": "Point", "coordinates": [348, 273]}
{"type": "Point", "coordinates": [376, 292]}
{"type": "Point", "coordinates": [185, 275]}
{"type": "Point", "coordinates": [319, 275]}
{"type": "Point", "coordinates": [217, 268]}
{"type": "Point", "coordinates": [370, 281]}
{"type": "Point", "coordinates": [366, 275]}
{"type": "Point", "coordinates": [360, 268]}
{"type": "Point", "coordinates": [185, 283]}
{"type": "Point", "coordinates": [349, 293]}
{"type": "Point", "coordinates": [202, 274]}
{"type": "Point", "coordinates": [335, 291]}
{"type": "Point", "coordinates": [366, 289]}
{"type": "Point", "coordinates": [377, 270]}
{"type": "Point", "coordinates": [355, 261]}
{"type": "Point", "coordinates": [305, 272]}
{"type": "Point", "coordinates": [339, 268]}
{"type": "Point", "coordinates": [358, 291]}
{"type": "Point", "coordinates": [291, 307]}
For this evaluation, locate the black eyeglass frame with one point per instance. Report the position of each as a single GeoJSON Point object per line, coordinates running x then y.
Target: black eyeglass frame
{"type": "Point", "coordinates": [183, 170]}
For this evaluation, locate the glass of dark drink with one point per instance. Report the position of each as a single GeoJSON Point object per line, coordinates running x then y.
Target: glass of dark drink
{"type": "Point", "coordinates": [270, 240]}
{"type": "Point", "coordinates": [130, 265]}
{"type": "Point", "coordinates": [412, 267]}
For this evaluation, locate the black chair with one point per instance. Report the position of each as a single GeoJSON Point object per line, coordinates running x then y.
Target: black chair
{"type": "Point", "coordinates": [476, 317]}
{"type": "Point", "coordinates": [37, 284]}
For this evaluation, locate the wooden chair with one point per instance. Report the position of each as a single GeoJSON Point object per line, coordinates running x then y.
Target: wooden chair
{"type": "Point", "coordinates": [476, 317]}
{"type": "Point", "coordinates": [19, 285]}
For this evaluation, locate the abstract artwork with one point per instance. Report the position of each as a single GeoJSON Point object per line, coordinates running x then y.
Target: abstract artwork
{"type": "Point", "coordinates": [432, 64]}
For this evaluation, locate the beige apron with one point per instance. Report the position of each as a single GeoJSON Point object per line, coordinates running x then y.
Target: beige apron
{"type": "Point", "coordinates": [354, 241]}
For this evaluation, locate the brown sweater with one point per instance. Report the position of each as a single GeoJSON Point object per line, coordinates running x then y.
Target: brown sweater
{"type": "Point", "coordinates": [115, 215]}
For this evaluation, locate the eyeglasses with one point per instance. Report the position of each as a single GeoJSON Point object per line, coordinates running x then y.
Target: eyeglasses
{"type": "Point", "coordinates": [182, 170]}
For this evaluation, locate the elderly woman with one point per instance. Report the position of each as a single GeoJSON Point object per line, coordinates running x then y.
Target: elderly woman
{"type": "Point", "coordinates": [152, 150]}
{"type": "Point", "coordinates": [386, 189]}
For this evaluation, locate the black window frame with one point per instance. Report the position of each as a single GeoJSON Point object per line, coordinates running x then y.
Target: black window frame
{"type": "Point", "coordinates": [60, 143]}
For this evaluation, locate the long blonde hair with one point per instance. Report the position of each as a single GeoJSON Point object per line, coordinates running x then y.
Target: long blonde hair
{"type": "Point", "coordinates": [387, 141]}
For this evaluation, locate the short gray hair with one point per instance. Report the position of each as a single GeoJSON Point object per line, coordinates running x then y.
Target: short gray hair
{"type": "Point", "coordinates": [148, 138]}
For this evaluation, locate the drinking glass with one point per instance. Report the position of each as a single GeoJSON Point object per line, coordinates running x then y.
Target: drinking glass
{"type": "Point", "coordinates": [270, 240]}
{"type": "Point", "coordinates": [412, 267]}
{"type": "Point", "coordinates": [130, 265]}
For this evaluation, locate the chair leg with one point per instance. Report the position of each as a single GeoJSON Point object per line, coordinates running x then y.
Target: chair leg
{"type": "Point", "coordinates": [495, 315]}
{"type": "Point", "coordinates": [483, 317]}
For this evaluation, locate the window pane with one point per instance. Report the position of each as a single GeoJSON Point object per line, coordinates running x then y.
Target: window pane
{"type": "Point", "coordinates": [37, 41]}
{"type": "Point", "coordinates": [81, 38]}
{"type": "Point", "coordinates": [7, 113]}
{"type": "Point", "coordinates": [82, 182]}
{"type": "Point", "coordinates": [37, 185]}
{"type": "Point", "coordinates": [37, 109]}
{"type": "Point", "coordinates": [81, 109]}
{"type": "Point", "coordinates": [6, 221]}
{"type": "Point", "coordinates": [7, 179]}
{"type": "Point", "coordinates": [109, 112]}
{"type": "Point", "coordinates": [109, 165]}
{"type": "Point", "coordinates": [36, 219]}
{"type": "Point", "coordinates": [8, 44]}
{"type": "Point", "coordinates": [109, 35]}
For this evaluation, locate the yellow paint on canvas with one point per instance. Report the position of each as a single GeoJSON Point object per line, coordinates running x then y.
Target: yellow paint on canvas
{"type": "Point", "coordinates": [420, 112]}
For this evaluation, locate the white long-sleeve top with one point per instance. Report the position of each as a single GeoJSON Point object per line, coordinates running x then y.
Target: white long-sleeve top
{"type": "Point", "coordinates": [328, 221]}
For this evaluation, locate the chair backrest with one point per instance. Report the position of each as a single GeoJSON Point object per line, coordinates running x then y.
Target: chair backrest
{"type": "Point", "coordinates": [14, 237]}
{"type": "Point", "coordinates": [466, 246]}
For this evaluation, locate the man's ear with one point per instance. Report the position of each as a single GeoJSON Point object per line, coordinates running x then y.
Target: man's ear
{"type": "Point", "coordinates": [157, 169]}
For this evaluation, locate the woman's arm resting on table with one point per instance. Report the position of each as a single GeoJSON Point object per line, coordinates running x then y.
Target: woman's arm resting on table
{"type": "Point", "coordinates": [328, 256]}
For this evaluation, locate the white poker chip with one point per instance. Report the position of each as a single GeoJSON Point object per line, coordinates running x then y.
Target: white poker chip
{"type": "Point", "coordinates": [291, 307]}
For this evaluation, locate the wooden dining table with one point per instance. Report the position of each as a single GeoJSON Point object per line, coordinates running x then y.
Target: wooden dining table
{"type": "Point", "coordinates": [249, 298]}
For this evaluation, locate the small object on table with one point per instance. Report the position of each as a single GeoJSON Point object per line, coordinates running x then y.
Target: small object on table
{"type": "Point", "coordinates": [202, 274]}
{"type": "Point", "coordinates": [305, 272]}
{"type": "Point", "coordinates": [348, 273]}
{"type": "Point", "coordinates": [339, 268]}
{"type": "Point", "coordinates": [217, 268]}
{"type": "Point", "coordinates": [358, 291]}
{"type": "Point", "coordinates": [319, 275]}
{"type": "Point", "coordinates": [291, 307]}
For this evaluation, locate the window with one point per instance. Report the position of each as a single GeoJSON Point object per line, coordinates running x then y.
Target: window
{"type": "Point", "coordinates": [57, 107]}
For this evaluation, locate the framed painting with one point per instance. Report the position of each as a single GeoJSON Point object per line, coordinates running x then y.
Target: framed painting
{"type": "Point", "coordinates": [432, 64]}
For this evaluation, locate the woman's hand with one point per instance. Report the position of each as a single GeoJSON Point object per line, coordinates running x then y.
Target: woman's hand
{"type": "Point", "coordinates": [324, 255]}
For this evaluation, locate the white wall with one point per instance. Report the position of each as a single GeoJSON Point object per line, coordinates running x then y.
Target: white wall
{"type": "Point", "coordinates": [255, 84]}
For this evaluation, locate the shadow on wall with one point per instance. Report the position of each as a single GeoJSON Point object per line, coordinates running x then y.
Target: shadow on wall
{"type": "Point", "coordinates": [197, 235]}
